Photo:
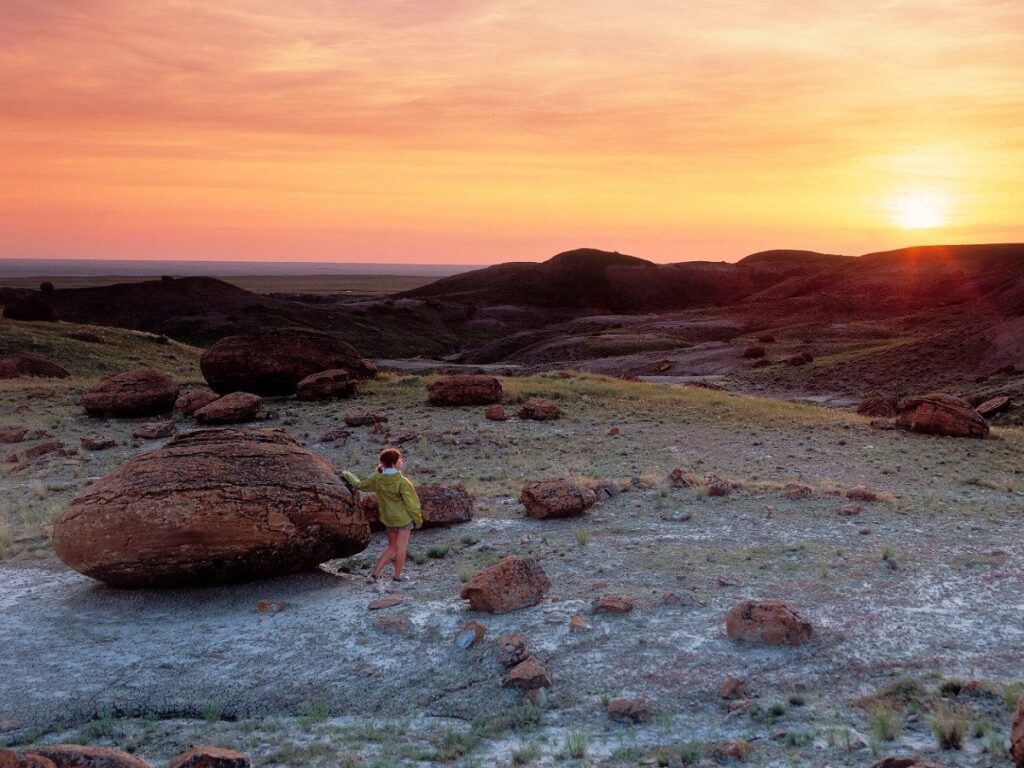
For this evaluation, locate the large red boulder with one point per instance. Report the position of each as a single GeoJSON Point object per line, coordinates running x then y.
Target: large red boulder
{"type": "Point", "coordinates": [324, 385]}
{"type": "Point", "coordinates": [230, 409]}
{"type": "Point", "coordinates": [139, 392]}
{"type": "Point", "coordinates": [556, 497]}
{"type": "Point", "coordinates": [31, 364]}
{"type": "Point", "coordinates": [464, 389]}
{"type": "Point", "coordinates": [1017, 735]}
{"type": "Point", "coordinates": [77, 756]}
{"type": "Point", "coordinates": [514, 583]}
{"type": "Point", "coordinates": [940, 414]}
{"type": "Point", "coordinates": [769, 622]}
{"type": "Point", "coordinates": [274, 362]}
{"type": "Point", "coordinates": [445, 504]}
{"type": "Point", "coordinates": [877, 405]}
{"type": "Point", "coordinates": [211, 507]}
{"type": "Point", "coordinates": [10, 758]}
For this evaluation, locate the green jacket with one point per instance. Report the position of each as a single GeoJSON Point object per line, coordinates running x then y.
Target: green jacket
{"type": "Point", "coordinates": [397, 502]}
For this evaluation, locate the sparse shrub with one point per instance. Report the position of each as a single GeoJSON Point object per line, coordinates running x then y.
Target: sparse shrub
{"type": "Point", "coordinates": [438, 551]}
{"type": "Point", "coordinates": [951, 688]}
{"type": "Point", "coordinates": [5, 538]}
{"type": "Point", "coordinates": [582, 536]}
{"type": "Point", "coordinates": [417, 557]}
{"type": "Point", "coordinates": [980, 728]}
{"type": "Point", "coordinates": [797, 699]}
{"type": "Point", "coordinates": [525, 755]}
{"type": "Point", "coordinates": [886, 724]}
{"type": "Point", "coordinates": [469, 539]}
{"type": "Point", "coordinates": [1012, 693]}
{"type": "Point", "coordinates": [949, 725]}
{"type": "Point", "coordinates": [315, 712]}
{"type": "Point", "coordinates": [576, 743]}
{"type": "Point", "coordinates": [465, 574]}
{"type": "Point", "coordinates": [212, 711]}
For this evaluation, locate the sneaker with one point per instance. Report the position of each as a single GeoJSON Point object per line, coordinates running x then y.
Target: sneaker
{"type": "Point", "coordinates": [370, 578]}
{"type": "Point", "coordinates": [403, 579]}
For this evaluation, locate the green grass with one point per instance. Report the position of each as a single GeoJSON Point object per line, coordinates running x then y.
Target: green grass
{"type": "Point", "coordinates": [950, 725]}
{"type": "Point", "coordinates": [886, 724]}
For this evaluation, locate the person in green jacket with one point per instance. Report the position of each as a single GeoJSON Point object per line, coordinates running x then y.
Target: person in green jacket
{"type": "Point", "coordinates": [398, 506]}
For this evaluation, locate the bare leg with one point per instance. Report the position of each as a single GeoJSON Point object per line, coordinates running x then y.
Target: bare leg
{"type": "Point", "coordinates": [402, 544]}
{"type": "Point", "coordinates": [388, 554]}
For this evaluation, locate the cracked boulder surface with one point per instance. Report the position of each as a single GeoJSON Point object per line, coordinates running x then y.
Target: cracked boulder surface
{"type": "Point", "coordinates": [211, 507]}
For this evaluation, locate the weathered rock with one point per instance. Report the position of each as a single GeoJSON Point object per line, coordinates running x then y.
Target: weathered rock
{"type": "Point", "coordinates": [796, 491]}
{"type": "Point", "coordinates": [877, 405]}
{"type": "Point", "coordinates": [604, 489]}
{"type": "Point", "coordinates": [230, 409]}
{"type": "Point", "coordinates": [495, 413]}
{"type": "Point", "coordinates": [1017, 735]}
{"type": "Point", "coordinates": [364, 419]}
{"type": "Point", "coordinates": [850, 510]}
{"type": "Point", "coordinates": [49, 449]}
{"type": "Point", "coordinates": [10, 758]}
{"type": "Point", "coordinates": [678, 479]}
{"type": "Point", "coordinates": [737, 749]}
{"type": "Point", "coordinates": [210, 507]}
{"type": "Point", "coordinates": [156, 430]}
{"type": "Point", "coordinates": [993, 406]}
{"type": "Point", "coordinates": [274, 362]}
{"type": "Point", "coordinates": [513, 649]}
{"type": "Point", "coordinates": [445, 505]}
{"type": "Point", "coordinates": [716, 486]}
{"type": "Point", "coordinates": [514, 583]}
{"type": "Point", "coordinates": [31, 364]}
{"type": "Point", "coordinates": [861, 493]}
{"type": "Point", "coordinates": [464, 389]}
{"type": "Point", "coordinates": [556, 497]}
{"type": "Point", "coordinates": [325, 385]}
{"type": "Point", "coordinates": [210, 757]}
{"type": "Point", "coordinates": [735, 688]}
{"type": "Point", "coordinates": [270, 606]}
{"type": "Point", "coordinates": [612, 604]}
{"type": "Point", "coordinates": [335, 434]}
{"type": "Point", "coordinates": [15, 433]}
{"type": "Point", "coordinates": [139, 392]}
{"type": "Point", "coordinates": [191, 400]}
{"type": "Point", "coordinates": [770, 622]}
{"type": "Point", "coordinates": [884, 424]}
{"type": "Point", "coordinates": [97, 442]}
{"type": "Point", "coordinates": [399, 624]}
{"type": "Point", "coordinates": [578, 624]}
{"type": "Point", "coordinates": [903, 762]}
{"type": "Point", "coordinates": [940, 414]}
{"type": "Point", "coordinates": [75, 756]}
{"type": "Point", "coordinates": [472, 632]}
{"type": "Point", "coordinates": [527, 675]}
{"type": "Point", "coordinates": [388, 601]}
{"type": "Point", "coordinates": [801, 359]}
{"type": "Point", "coordinates": [539, 409]}
{"type": "Point", "coordinates": [635, 710]}
{"type": "Point", "coordinates": [754, 351]}
{"type": "Point", "coordinates": [30, 310]}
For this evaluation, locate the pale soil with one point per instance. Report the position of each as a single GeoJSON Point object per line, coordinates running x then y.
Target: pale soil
{"type": "Point", "coordinates": [142, 669]}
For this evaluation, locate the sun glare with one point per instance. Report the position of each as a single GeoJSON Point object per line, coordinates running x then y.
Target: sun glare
{"type": "Point", "coordinates": [920, 210]}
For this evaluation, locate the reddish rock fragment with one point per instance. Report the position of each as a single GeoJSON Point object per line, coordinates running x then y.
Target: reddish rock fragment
{"type": "Point", "coordinates": [513, 649]}
{"type": "Point", "coordinates": [770, 622]}
{"type": "Point", "coordinates": [940, 414]}
{"type": "Point", "coordinates": [618, 604]}
{"type": "Point", "coordinates": [514, 583]}
{"type": "Point", "coordinates": [539, 409]}
{"type": "Point", "coordinates": [75, 756]}
{"type": "Point", "coordinates": [556, 497]}
{"type": "Point", "coordinates": [230, 409]}
{"type": "Point", "coordinates": [156, 430]}
{"type": "Point", "coordinates": [191, 400]}
{"type": "Point", "coordinates": [635, 710]}
{"type": "Point", "coordinates": [527, 675]}
{"type": "Point", "coordinates": [364, 418]}
{"type": "Point", "coordinates": [210, 757]}
{"type": "Point", "coordinates": [139, 392]}
{"type": "Point", "coordinates": [495, 413]}
{"type": "Point", "coordinates": [464, 389]}
{"type": "Point", "coordinates": [388, 601]}
{"type": "Point", "coordinates": [324, 385]}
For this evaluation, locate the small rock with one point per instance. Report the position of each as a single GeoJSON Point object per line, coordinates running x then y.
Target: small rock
{"type": "Point", "coordinates": [464, 389]}
{"type": "Point", "coordinates": [635, 710]}
{"type": "Point", "coordinates": [514, 583]}
{"type": "Point", "coordinates": [270, 606]}
{"type": "Point", "coordinates": [993, 406]}
{"type": "Point", "coordinates": [399, 625]}
{"type": "Point", "coordinates": [578, 624]}
{"type": "Point", "coordinates": [1017, 735]}
{"type": "Point", "coordinates": [539, 409]}
{"type": "Point", "coordinates": [76, 756]}
{"type": "Point", "coordinates": [334, 435]}
{"type": "Point", "coordinates": [617, 604]}
{"type": "Point", "coordinates": [210, 757]}
{"type": "Point", "coordinates": [230, 409]}
{"type": "Point", "coordinates": [388, 601]}
{"type": "Point", "coordinates": [796, 491]}
{"type": "Point", "coordinates": [527, 675]}
{"type": "Point", "coordinates": [716, 486]}
{"type": "Point", "coordinates": [97, 442]}
{"type": "Point", "coordinates": [324, 385]}
{"type": "Point", "coordinates": [364, 419]}
{"type": "Point", "coordinates": [849, 510]}
{"type": "Point", "coordinates": [614, 431]}
{"type": "Point", "coordinates": [770, 622]}
{"type": "Point", "coordinates": [754, 351]}
{"type": "Point", "coordinates": [513, 649]}
{"type": "Point", "coordinates": [677, 479]}
{"type": "Point", "coordinates": [802, 359]}
{"type": "Point", "coordinates": [735, 688]}
{"type": "Point", "coordinates": [861, 493]}
{"type": "Point", "coordinates": [155, 430]}
{"type": "Point", "coordinates": [556, 497]}
{"type": "Point", "coordinates": [599, 585]}
{"type": "Point", "coordinates": [472, 632]}
{"type": "Point", "coordinates": [739, 749]}
{"type": "Point", "coordinates": [9, 724]}
{"type": "Point", "coordinates": [884, 424]}
{"type": "Point", "coordinates": [191, 400]}
{"type": "Point", "coordinates": [903, 762]}
{"type": "Point", "coordinates": [10, 758]}
{"type": "Point", "coordinates": [495, 413]}
{"type": "Point", "coordinates": [864, 531]}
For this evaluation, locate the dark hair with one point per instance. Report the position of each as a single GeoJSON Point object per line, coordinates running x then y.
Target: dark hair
{"type": "Point", "coordinates": [389, 457]}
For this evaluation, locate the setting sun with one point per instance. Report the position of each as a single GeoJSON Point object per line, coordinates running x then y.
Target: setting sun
{"type": "Point", "coordinates": [920, 210]}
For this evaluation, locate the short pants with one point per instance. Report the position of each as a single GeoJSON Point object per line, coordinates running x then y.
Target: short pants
{"type": "Point", "coordinates": [407, 527]}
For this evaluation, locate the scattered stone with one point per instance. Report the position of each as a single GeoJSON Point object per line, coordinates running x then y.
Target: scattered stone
{"type": "Point", "coordinates": [52, 448]}
{"type": "Point", "coordinates": [801, 359]}
{"type": "Point", "coordinates": [445, 505]}
{"type": "Point", "coordinates": [722, 581]}
{"type": "Point", "coordinates": [849, 510]}
{"type": "Point", "coordinates": [15, 434]}
{"type": "Point", "coordinates": [796, 491]}
{"type": "Point", "coordinates": [884, 424]}
{"type": "Point", "coordinates": [191, 400]}
{"type": "Point", "coordinates": [33, 365]}
{"type": "Point", "coordinates": [335, 435]}
{"type": "Point", "coordinates": [578, 624]}
{"type": "Point", "coordinates": [464, 389]}
{"type": "Point", "coordinates": [614, 431]}
{"type": "Point", "coordinates": [738, 749]}
{"type": "Point", "coordinates": [139, 392]}
{"type": "Point", "coordinates": [735, 688]}
{"type": "Point", "coordinates": [75, 756]}
{"type": "Point", "coordinates": [31, 310]}
{"type": "Point", "coordinates": [495, 413]}
{"type": "Point", "coordinates": [270, 606]}
{"type": "Point", "coordinates": [864, 531]}
{"type": "Point", "coordinates": [155, 430]}
{"type": "Point", "coordinates": [10, 758]}
{"type": "Point", "coordinates": [861, 493]}
{"type": "Point", "coordinates": [677, 479]}
{"type": "Point", "coordinates": [941, 414]}
{"type": "Point", "coordinates": [754, 351]}
{"type": "Point", "coordinates": [877, 405]}
{"type": "Point", "coordinates": [527, 675]}
{"type": "Point", "coordinates": [635, 710]}
{"type": "Point", "coordinates": [770, 622]}
{"type": "Point", "coordinates": [364, 419]}
{"type": "Point", "coordinates": [539, 409]}
{"type": "Point", "coordinates": [604, 489]}
{"type": "Point", "coordinates": [993, 406]}
{"type": "Point", "coordinates": [1017, 735]}
{"type": "Point", "coordinates": [388, 601]}
{"type": "Point", "coordinates": [716, 486]}
{"type": "Point", "coordinates": [332, 383]}
{"type": "Point", "coordinates": [618, 604]}
{"type": "Point", "coordinates": [398, 438]}
{"type": "Point", "coordinates": [513, 649]}
{"type": "Point", "coordinates": [211, 507]}
{"type": "Point", "coordinates": [97, 442]}
{"type": "Point", "coordinates": [230, 409]}
{"type": "Point", "coordinates": [514, 583]}
{"type": "Point", "coordinates": [274, 362]}
{"type": "Point", "coordinates": [903, 762]}
{"type": "Point", "coordinates": [472, 632]}
{"type": "Point", "coordinates": [210, 757]}
{"type": "Point", "coordinates": [556, 497]}
{"type": "Point", "coordinates": [397, 625]}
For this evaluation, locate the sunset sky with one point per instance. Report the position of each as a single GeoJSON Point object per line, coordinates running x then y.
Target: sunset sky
{"type": "Point", "coordinates": [478, 131]}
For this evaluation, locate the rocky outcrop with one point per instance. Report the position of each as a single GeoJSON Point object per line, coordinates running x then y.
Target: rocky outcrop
{"type": "Point", "coordinates": [191, 400]}
{"type": "Point", "coordinates": [877, 405]}
{"type": "Point", "coordinates": [538, 409]}
{"type": "Point", "coordinates": [940, 414]}
{"type": "Point", "coordinates": [326, 385]}
{"type": "Point", "coordinates": [211, 507]}
{"type": "Point", "coordinates": [770, 622]}
{"type": "Point", "coordinates": [273, 363]}
{"type": "Point", "coordinates": [445, 504]}
{"type": "Point", "coordinates": [210, 757]}
{"type": "Point", "coordinates": [75, 756]}
{"type": "Point", "coordinates": [230, 409]}
{"type": "Point", "coordinates": [514, 583]}
{"type": "Point", "coordinates": [135, 393]}
{"type": "Point", "coordinates": [464, 389]}
{"type": "Point", "coordinates": [556, 497]}
{"type": "Point", "coordinates": [16, 433]}
{"type": "Point", "coordinates": [31, 364]}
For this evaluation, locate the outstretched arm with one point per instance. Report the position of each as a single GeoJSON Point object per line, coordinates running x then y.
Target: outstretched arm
{"type": "Point", "coordinates": [354, 483]}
